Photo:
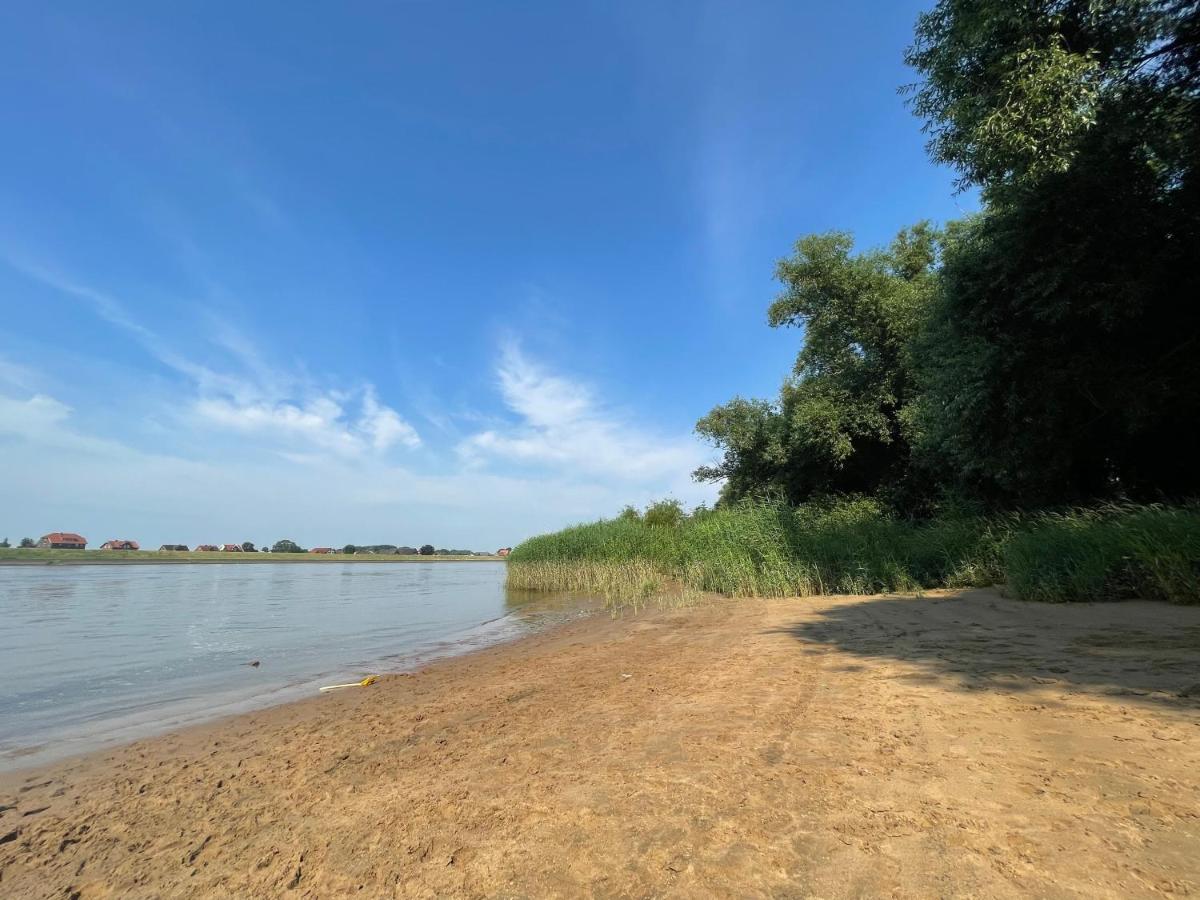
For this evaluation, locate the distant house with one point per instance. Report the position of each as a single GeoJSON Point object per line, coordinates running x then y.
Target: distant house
{"type": "Point", "coordinates": [322, 550]}
{"type": "Point", "coordinates": [63, 540]}
{"type": "Point", "coordinates": [173, 547]}
{"type": "Point", "coordinates": [504, 551]}
{"type": "Point", "coordinates": [120, 545]}
{"type": "Point", "coordinates": [207, 548]}
{"type": "Point", "coordinates": [232, 548]}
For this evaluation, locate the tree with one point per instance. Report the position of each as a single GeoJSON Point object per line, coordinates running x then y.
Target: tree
{"type": "Point", "coordinates": [248, 547]}
{"type": "Point", "coordinates": [1063, 358]}
{"type": "Point", "coordinates": [664, 514]}
{"type": "Point", "coordinates": [1012, 93]}
{"type": "Point", "coordinates": [629, 514]}
{"type": "Point", "coordinates": [840, 423]}
{"type": "Point", "coordinates": [406, 551]}
{"type": "Point", "coordinates": [349, 549]}
{"type": "Point", "coordinates": [26, 543]}
{"type": "Point", "coordinates": [286, 546]}
{"type": "Point", "coordinates": [4, 544]}
{"type": "Point", "coordinates": [426, 550]}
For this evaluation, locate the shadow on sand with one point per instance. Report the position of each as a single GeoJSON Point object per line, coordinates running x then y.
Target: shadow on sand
{"type": "Point", "coordinates": [980, 640]}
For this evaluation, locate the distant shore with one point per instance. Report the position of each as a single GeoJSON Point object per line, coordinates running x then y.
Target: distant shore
{"type": "Point", "coordinates": [41, 557]}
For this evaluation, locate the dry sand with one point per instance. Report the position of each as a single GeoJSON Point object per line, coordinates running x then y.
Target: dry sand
{"type": "Point", "coordinates": [957, 745]}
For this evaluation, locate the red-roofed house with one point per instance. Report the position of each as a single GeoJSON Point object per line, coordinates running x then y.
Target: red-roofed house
{"type": "Point", "coordinates": [504, 551]}
{"type": "Point", "coordinates": [207, 548]}
{"type": "Point", "coordinates": [120, 545]}
{"type": "Point", "coordinates": [63, 540]}
{"type": "Point", "coordinates": [322, 550]}
{"type": "Point", "coordinates": [232, 548]}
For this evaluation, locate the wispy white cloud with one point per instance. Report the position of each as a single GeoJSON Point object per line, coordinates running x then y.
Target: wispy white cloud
{"type": "Point", "coordinates": [254, 398]}
{"type": "Point", "coordinates": [36, 416]}
{"type": "Point", "coordinates": [57, 476]}
{"type": "Point", "coordinates": [562, 424]}
{"type": "Point", "coordinates": [102, 304]}
{"type": "Point", "coordinates": [321, 422]}
{"type": "Point", "coordinates": [247, 437]}
{"type": "Point", "coordinates": [383, 425]}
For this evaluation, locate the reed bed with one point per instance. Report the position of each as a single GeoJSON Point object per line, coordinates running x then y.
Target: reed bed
{"type": "Point", "coordinates": [1110, 553]}
{"type": "Point", "coordinates": [854, 546]}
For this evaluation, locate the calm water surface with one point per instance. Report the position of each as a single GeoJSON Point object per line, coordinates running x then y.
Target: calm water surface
{"type": "Point", "coordinates": [92, 655]}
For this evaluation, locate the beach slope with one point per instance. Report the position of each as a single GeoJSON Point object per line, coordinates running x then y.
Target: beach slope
{"type": "Point", "coordinates": [956, 744]}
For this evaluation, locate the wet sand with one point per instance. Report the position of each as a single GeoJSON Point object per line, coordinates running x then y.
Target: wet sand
{"type": "Point", "coordinates": [960, 744]}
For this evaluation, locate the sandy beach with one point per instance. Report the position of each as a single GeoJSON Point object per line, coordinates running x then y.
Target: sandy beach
{"type": "Point", "coordinates": [959, 744]}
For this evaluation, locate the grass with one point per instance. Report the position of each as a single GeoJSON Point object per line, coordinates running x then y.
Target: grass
{"type": "Point", "coordinates": [1110, 553]}
{"type": "Point", "coordinates": [39, 556]}
{"type": "Point", "coordinates": [855, 547]}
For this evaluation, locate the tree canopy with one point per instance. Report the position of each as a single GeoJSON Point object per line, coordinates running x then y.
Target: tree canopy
{"type": "Point", "coordinates": [839, 423]}
{"type": "Point", "coordinates": [1065, 336]}
{"type": "Point", "coordinates": [1044, 351]}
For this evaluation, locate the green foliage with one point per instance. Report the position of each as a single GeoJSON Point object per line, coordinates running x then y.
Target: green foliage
{"type": "Point", "coordinates": [4, 544]}
{"type": "Point", "coordinates": [839, 425]}
{"type": "Point", "coordinates": [1111, 553]}
{"type": "Point", "coordinates": [1042, 353]}
{"type": "Point", "coordinates": [27, 542]}
{"type": "Point", "coordinates": [1061, 357]}
{"type": "Point", "coordinates": [664, 514]}
{"type": "Point", "coordinates": [763, 549]}
{"type": "Point", "coordinates": [248, 547]}
{"type": "Point", "coordinates": [855, 546]}
{"type": "Point", "coordinates": [349, 549]}
{"type": "Point", "coordinates": [286, 546]}
{"type": "Point", "coordinates": [426, 550]}
{"type": "Point", "coordinates": [1010, 92]}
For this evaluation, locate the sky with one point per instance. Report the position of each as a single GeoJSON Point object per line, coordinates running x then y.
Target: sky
{"type": "Point", "coordinates": [455, 273]}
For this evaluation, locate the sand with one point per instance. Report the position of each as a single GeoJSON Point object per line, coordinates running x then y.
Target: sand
{"type": "Point", "coordinates": [960, 744]}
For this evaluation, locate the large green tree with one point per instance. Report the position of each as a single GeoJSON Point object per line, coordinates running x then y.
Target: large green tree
{"type": "Point", "coordinates": [840, 423]}
{"type": "Point", "coordinates": [1063, 362]}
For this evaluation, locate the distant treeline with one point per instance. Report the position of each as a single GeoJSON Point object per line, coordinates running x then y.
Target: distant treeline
{"type": "Point", "coordinates": [1016, 380]}
{"type": "Point", "coordinates": [289, 546]}
{"type": "Point", "coordinates": [423, 550]}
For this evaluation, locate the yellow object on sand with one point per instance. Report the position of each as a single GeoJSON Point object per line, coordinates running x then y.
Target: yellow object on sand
{"type": "Point", "coordinates": [370, 679]}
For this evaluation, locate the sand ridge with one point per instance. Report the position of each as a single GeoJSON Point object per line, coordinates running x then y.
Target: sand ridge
{"type": "Point", "coordinates": [960, 744]}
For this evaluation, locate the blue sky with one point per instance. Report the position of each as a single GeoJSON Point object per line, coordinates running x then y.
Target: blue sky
{"type": "Point", "coordinates": [409, 272]}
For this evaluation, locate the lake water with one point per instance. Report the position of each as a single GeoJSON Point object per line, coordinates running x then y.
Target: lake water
{"type": "Point", "coordinates": [93, 655]}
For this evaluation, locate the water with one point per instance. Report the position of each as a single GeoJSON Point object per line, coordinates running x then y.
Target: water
{"type": "Point", "coordinates": [93, 655]}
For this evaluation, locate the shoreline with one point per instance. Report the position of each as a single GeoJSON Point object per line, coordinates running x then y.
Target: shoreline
{"type": "Point", "coordinates": [148, 720]}
{"type": "Point", "coordinates": [294, 707]}
{"type": "Point", "coordinates": [839, 746]}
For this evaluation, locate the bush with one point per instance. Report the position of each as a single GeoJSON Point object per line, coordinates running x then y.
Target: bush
{"type": "Point", "coordinates": [854, 546]}
{"type": "Point", "coordinates": [1111, 553]}
{"type": "Point", "coordinates": [764, 549]}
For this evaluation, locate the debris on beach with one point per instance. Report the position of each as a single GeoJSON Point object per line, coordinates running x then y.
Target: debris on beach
{"type": "Point", "coordinates": [366, 682]}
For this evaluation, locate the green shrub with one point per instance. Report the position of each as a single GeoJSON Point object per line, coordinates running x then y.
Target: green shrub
{"type": "Point", "coordinates": [854, 546]}
{"type": "Point", "coordinates": [1111, 553]}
